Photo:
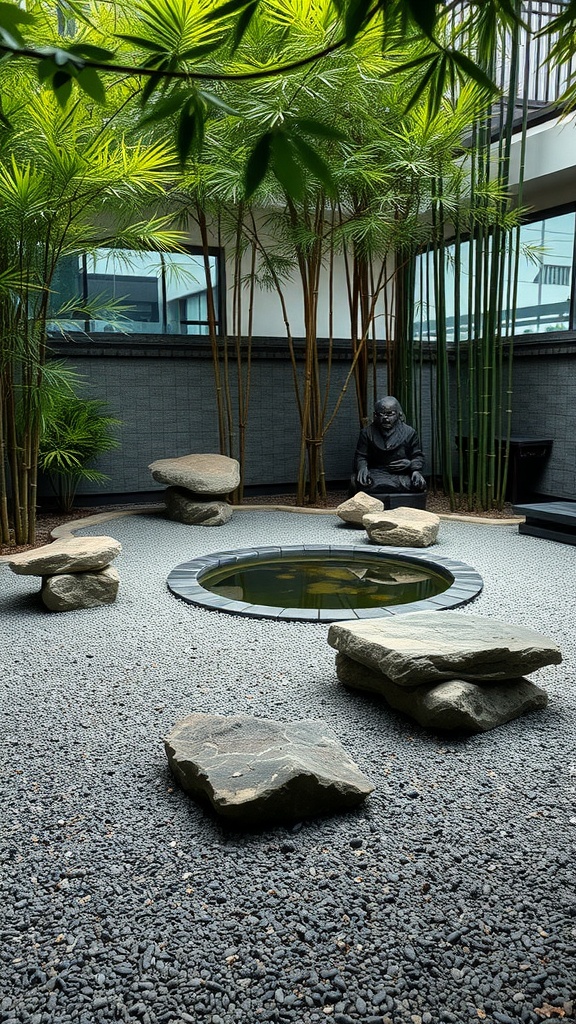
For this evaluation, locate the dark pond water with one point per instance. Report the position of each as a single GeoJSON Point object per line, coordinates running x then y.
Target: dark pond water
{"type": "Point", "coordinates": [320, 583]}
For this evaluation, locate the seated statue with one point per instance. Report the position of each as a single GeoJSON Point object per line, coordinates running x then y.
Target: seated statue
{"type": "Point", "coordinates": [388, 457]}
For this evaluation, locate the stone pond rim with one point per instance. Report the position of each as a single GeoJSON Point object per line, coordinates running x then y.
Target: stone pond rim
{"type": "Point", "coordinates": [185, 581]}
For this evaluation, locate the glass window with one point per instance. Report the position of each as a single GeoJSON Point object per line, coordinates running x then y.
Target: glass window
{"type": "Point", "coordinates": [544, 288]}
{"type": "Point", "coordinates": [545, 275]}
{"type": "Point", "coordinates": [128, 292]}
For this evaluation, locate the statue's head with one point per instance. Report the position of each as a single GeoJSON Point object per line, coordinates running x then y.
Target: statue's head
{"type": "Point", "coordinates": [388, 412]}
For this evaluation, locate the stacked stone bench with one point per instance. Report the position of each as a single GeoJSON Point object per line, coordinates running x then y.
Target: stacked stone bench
{"type": "Point", "coordinates": [76, 572]}
{"type": "Point", "coordinates": [402, 527]}
{"type": "Point", "coordinates": [196, 486]}
{"type": "Point", "coordinates": [447, 670]}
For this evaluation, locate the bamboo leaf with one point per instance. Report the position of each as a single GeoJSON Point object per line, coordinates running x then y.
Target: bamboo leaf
{"type": "Point", "coordinates": [473, 71]}
{"type": "Point", "coordinates": [90, 52]}
{"type": "Point", "coordinates": [423, 85]}
{"type": "Point", "coordinates": [408, 65]}
{"type": "Point", "coordinates": [143, 43]}
{"type": "Point", "coordinates": [438, 86]}
{"type": "Point", "coordinates": [423, 14]}
{"type": "Point", "coordinates": [154, 81]}
{"type": "Point", "coordinates": [285, 166]}
{"type": "Point", "coordinates": [313, 161]}
{"type": "Point", "coordinates": [190, 130]}
{"type": "Point", "coordinates": [11, 16]}
{"type": "Point", "coordinates": [258, 163]}
{"type": "Point", "coordinates": [231, 7]}
{"type": "Point", "coordinates": [214, 101]}
{"type": "Point", "coordinates": [62, 86]}
{"type": "Point", "coordinates": [195, 52]}
{"type": "Point", "coordinates": [90, 82]}
{"type": "Point", "coordinates": [357, 13]}
{"type": "Point", "coordinates": [45, 69]}
{"type": "Point", "coordinates": [165, 108]}
{"type": "Point", "coordinates": [243, 24]}
{"type": "Point", "coordinates": [313, 127]}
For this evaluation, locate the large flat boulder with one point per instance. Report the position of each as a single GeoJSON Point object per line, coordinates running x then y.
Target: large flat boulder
{"type": "Point", "coordinates": [183, 507]}
{"type": "Point", "coordinates": [74, 554]}
{"type": "Point", "coordinates": [258, 771]}
{"type": "Point", "coordinates": [66, 593]}
{"type": "Point", "coordinates": [201, 474]}
{"type": "Point", "coordinates": [361, 504]}
{"type": "Point", "coordinates": [427, 647]}
{"type": "Point", "coordinates": [455, 705]}
{"type": "Point", "coordinates": [402, 527]}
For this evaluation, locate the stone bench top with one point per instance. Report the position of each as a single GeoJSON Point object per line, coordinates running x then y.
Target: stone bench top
{"type": "Point", "coordinates": [72, 554]}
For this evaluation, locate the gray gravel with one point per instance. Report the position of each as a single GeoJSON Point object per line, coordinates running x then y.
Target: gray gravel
{"type": "Point", "coordinates": [449, 896]}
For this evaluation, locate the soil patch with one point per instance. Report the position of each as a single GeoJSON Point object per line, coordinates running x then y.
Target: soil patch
{"type": "Point", "coordinates": [437, 501]}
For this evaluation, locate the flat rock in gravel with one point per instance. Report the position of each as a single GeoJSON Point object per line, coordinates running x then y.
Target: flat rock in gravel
{"type": "Point", "coordinates": [402, 527]}
{"type": "Point", "coordinates": [455, 705]}
{"type": "Point", "coordinates": [73, 554]}
{"type": "Point", "coordinates": [67, 592]}
{"type": "Point", "coordinates": [426, 647]}
{"type": "Point", "coordinates": [257, 770]}
{"type": "Point", "coordinates": [184, 507]}
{"type": "Point", "coordinates": [202, 474]}
{"type": "Point", "coordinates": [359, 505]}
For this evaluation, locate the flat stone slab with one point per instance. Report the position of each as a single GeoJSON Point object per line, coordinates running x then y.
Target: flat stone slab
{"type": "Point", "coordinates": [183, 507]}
{"type": "Point", "coordinates": [66, 593]}
{"type": "Point", "coordinates": [428, 647]}
{"type": "Point", "coordinates": [455, 705]}
{"type": "Point", "coordinates": [201, 474]}
{"type": "Point", "coordinates": [360, 505]}
{"type": "Point", "coordinates": [74, 554]}
{"type": "Point", "coordinates": [402, 527]}
{"type": "Point", "coordinates": [258, 771]}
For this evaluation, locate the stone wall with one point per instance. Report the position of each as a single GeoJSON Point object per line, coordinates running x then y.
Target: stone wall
{"type": "Point", "coordinates": [166, 400]}
{"type": "Point", "coordinates": [167, 406]}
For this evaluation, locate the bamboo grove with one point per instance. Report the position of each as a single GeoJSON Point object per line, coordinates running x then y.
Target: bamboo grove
{"type": "Point", "coordinates": [392, 183]}
{"type": "Point", "coordinates": [473, 254]}
{"type": "Point", "coordinates": [350, 183]}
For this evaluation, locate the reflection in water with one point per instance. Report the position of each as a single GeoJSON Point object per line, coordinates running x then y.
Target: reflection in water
{"type": "Point", "coordinates": [315, 583]}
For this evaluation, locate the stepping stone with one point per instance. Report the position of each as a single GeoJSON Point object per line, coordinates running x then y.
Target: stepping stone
{"type": "Point", "coordinates": [74, 554]}
{"type": "Point", "coordinates": [402, 527]}
{"type": "Point", "coordinates": [257, 771]}
{"type": "Point", "coordinates": [183, 507]}
{"type": "Point", "coordinates": [201, 474]}
{"type": "Point", "coordinates": [65, 593]}
{"type": "Point", "coordinates": [428, 647]}
{"type": "Point", "coordinates": [360, 505]}
{"type": "Point", "coordinates": [455, 705]}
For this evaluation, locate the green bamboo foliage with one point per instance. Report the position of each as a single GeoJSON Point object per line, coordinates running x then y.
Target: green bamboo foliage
{"type": "Point", "coordinates": [66, 174]}
{"type": "Point", "coordinates": [352, 175]}
{"type": "Point", "coordinates": [478, 240]}
{"type": "Point", "coordinates": [361, 203]}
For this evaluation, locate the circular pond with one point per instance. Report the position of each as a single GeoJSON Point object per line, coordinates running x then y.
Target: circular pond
{"type": "Point", "coordinates": [323, 583]}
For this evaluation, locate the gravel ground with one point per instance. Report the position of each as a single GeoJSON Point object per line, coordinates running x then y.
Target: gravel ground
{"type": "Point", "coordinates": [449, 896]}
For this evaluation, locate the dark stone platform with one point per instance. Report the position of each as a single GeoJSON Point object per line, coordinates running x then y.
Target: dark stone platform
{"type": "Point", "coordinates": [554, 520]}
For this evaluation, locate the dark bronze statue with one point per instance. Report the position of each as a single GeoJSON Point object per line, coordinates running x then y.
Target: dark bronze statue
{"type": "Point", "coordinates": [388, 457]}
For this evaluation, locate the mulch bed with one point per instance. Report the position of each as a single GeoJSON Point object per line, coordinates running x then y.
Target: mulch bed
{"type": "Point", "coordinates": [436, 501]}
{"type": "Point", "coordinates": [47, 521]}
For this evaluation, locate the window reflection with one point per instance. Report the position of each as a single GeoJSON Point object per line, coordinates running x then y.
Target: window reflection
{"type": "Point", "coordinates": [544, 290]}
{"type": "Point", "coordinates": [124, 291]}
